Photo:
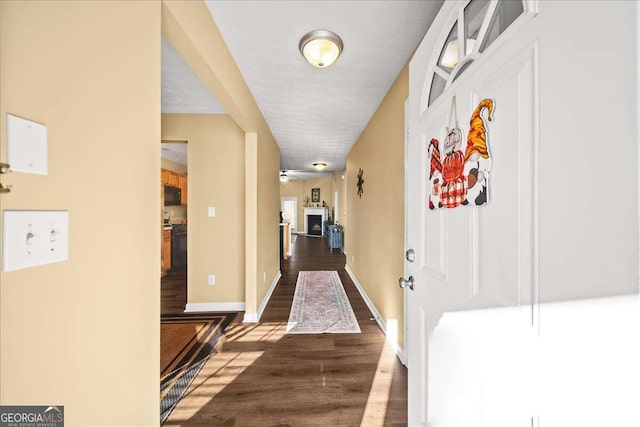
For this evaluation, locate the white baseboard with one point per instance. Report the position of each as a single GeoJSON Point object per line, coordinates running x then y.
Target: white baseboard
{"type": "Point", "coordinates": [255, 317]}
{"type": "Point", "coordinates": [250, 318]}
{"type": "Point", "coordinates": [377, 316]}
{"type": "Point", "coordinates": [214, 306]}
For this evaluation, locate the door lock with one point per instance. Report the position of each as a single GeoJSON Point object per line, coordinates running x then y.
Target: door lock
{"type": "Point", "coordinates": [403, 283]}
{"type": "Point", "coordinates": [410, 255]}
{"type": "Point", "coordinates": [4, 168]}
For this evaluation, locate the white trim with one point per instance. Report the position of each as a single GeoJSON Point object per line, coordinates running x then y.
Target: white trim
{"type": "Point", "coordinates": [250, 318]}
{"type": "Point", "coordinates": [405, 300]}
{"type": "Point", "coordinates": [214, 306]}
{"type": "Point", "coordinates": [324, 212]}
{"type": "Point", "coordinates": [377, 316]}
{"type": "Point", "coordinates": [255, 317]}
{"type": "Point", "coordinates": [293, 199]}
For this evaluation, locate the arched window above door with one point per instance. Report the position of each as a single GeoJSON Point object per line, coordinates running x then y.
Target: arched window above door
{"type": "Point", "coordinates": [476, 27]}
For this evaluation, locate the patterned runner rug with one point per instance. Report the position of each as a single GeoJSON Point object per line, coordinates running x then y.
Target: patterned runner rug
{"type": "Point", "coordinates": [320, 305]}
{"type": "Point", "coordinates": [186, 343]}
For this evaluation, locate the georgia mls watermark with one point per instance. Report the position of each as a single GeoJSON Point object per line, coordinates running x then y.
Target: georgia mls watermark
{"type": "Point", "coordinates": [31, 416]}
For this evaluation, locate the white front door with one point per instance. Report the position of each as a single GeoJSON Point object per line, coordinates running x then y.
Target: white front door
{"type": "Point", "coordinates": [472, 258]}
{"type": "Point", "coordinates": [474, 335]}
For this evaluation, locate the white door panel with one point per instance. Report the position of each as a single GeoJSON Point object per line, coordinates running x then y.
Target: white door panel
{"type": "Point", "coordinates": [503, 273]}
{"type": "Point", "coordinates": [486, 253]}
{"type": "Point", "coordinates": [487, 349]}
{"type": "Point", "coordinates": [474, 284]}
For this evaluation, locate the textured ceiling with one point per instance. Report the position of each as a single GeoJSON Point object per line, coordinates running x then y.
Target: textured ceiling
{"type": "Point", "coordinates": [305, 175]}
{"type": "Point", "coordinates": [182, 91]}
{"type": "Point", "coordinates": [174, 151]}
{"type": "Point", "coordinates": [318, 114]}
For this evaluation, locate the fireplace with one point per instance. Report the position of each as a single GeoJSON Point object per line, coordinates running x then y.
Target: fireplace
{"type": "Point", "coordinates": [321, 215]}
{"type": "Point", "coordinates": [314, 225]}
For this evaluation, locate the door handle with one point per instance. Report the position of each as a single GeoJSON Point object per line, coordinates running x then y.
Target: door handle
{"type": "Point", "coordinates": [403, 283]}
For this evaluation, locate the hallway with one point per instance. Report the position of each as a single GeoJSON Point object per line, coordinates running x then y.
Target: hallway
{"type": "Point", "coordinates": [260, 376]}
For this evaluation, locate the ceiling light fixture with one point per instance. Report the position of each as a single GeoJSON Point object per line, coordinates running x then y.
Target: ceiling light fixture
{"type": "Point", "coordinates": [283, 177]}
{"type": "Point", "coordinates": [320, 48]}
{"type": "Point", "coordinates": [319, 165]}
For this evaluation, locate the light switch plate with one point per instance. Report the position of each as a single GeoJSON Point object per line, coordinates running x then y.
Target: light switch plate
{"type": "Point", "coordinates": [26, 145]}
{"type": "Point", "coordinates": [211, 212]}
{"type": "Point", "coordinates": [31, 238]}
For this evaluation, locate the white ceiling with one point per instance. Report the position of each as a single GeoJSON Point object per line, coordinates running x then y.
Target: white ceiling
{"type": "Point", "coordinates": [305, 175]}
{"type": "Point", "coordinates": [315, 115]}
{"type": "Point", "coordinates": [182, 90]}
{"type": "Point", "coordinates": [174, 151]}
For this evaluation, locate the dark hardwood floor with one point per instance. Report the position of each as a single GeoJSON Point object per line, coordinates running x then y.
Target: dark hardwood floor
{"type": "Point", "coordinates": [173, 293]}
{"type": "Point", "coordinates": [259, 376]}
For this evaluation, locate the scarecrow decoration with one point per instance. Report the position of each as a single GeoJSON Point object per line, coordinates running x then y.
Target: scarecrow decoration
{"type": "Point", "coordinates": [461, 178]}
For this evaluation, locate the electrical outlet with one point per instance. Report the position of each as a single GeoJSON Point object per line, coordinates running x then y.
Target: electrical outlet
{"type": "Point", "coordinates": [212, 280]}
{"type": "Point", "coordinates": [211, 212]}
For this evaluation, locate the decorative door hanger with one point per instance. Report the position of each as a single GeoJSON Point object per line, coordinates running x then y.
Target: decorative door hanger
{"type": "Point", "coordinates": [460, 178]}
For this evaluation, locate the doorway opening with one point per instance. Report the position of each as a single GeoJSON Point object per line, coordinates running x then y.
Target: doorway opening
{"type": "Point", "coordinates": [174, 205]}
{"type": "Point", "coordinates": [289, 208]}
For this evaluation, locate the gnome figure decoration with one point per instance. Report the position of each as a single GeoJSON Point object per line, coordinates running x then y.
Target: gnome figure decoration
{"type": "Point", "coordinates": [461, 178]}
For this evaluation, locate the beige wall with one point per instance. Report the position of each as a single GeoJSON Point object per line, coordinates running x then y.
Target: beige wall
{"type": "Point", "coordinates": [216, 178]}
{"type": "Point", "coordinates": [374, 238]}
{"type": "Point", "coordinates": [339, 183]}
{"type": "Point", "coordinates": [84, 333]}
{"type": "Point", "coordinates": [173, 166]}
{"type": "Point", "coordinates": [268, 231]}
{"type": "Point", "coordinates": [193, 33]}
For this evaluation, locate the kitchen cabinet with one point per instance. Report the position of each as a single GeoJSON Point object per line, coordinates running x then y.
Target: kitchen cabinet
{"type": "Point", "coordinates": [166, 250]}
{"type": "Point", "coordinates": [182, 183]}
{"type": "Point", "coordinates": [175, 179]}
{"type": "Point", "coordinates": [170, 177]}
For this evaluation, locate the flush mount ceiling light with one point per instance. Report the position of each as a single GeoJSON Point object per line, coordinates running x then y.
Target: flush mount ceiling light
{"type": "Point", "coordinates": [320, 48]}
{"type": "Point", "coordinates": [319, 165]}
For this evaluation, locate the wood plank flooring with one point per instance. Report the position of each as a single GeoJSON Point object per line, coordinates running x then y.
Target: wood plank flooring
{"type": "Point", "coordinates": [173, 293]}
{"type": "Point", "coordinates": [259, 376]}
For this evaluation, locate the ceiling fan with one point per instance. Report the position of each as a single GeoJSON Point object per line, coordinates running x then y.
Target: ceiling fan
{"type": "Point", "coordinates": [300, 175]}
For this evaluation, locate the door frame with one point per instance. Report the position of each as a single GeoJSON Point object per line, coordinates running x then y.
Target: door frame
{"type": "Point", "coordinates": [405, 359]}
{"type": "Point", "coordinates": [293, 199]}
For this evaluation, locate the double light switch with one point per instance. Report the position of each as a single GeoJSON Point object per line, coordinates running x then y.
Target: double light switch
{"type": "Point", "coordinates": [33, 238]}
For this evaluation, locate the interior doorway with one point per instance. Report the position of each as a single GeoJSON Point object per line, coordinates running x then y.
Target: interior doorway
{"type": "Point", "coordinates": [336, 210]}
{"type": "Point", "coordinates": [289, 208]}
{"type": "Point", "coordinates": [174, 189]}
